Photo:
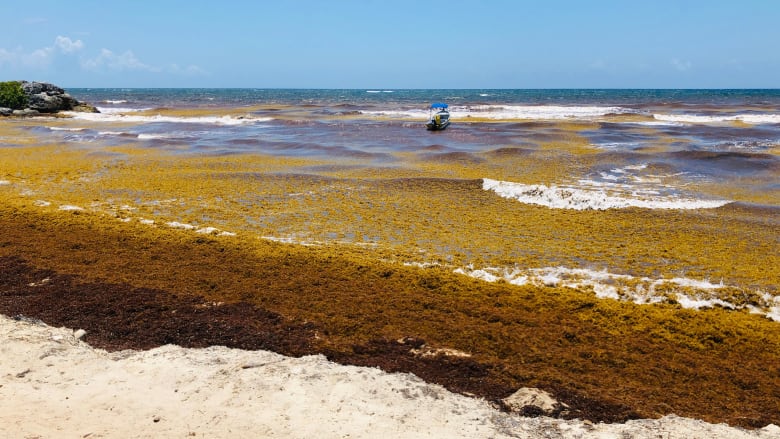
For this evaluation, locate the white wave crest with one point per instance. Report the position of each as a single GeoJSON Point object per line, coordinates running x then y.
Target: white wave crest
{"type": "Point", "coordinates": [115, 101]}
{"type": "Point", "coordinates": [120, 110]}
{"type": "Point", "coordinates": [586, 113]}
{"type": "Point", "coordinates": [212, 120]}
{"type": "Point", "coordinates": [538, 112]}
{"type": "Point", "coordinates": [401, 114]}
{"type": "Point", "coordinates": [66, 129]}
{"type": "Point", "coordinates": [688, 293]}
{"type": "Point", "coordinates": [754, 119]}
{"type": "Point", "coordinates": [564, 197]}
{"type": "Point", "coordinates": [512, 112]}
{"type": "Point", "coordinates": [657, 123]}
{"type": "Point", "coordinates": [153, 136]}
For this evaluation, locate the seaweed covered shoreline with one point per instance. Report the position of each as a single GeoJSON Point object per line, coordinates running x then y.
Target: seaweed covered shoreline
{"type": "Point", "coordinates": [134, 286]}
{"type": "Point", "coordinates": [626, 283]}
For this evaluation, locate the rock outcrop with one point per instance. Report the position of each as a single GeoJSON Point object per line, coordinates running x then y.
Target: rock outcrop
{"type": "Point", "coordinates": [43, 97]}
{"type": "Point", "coordinates": [529, 401]}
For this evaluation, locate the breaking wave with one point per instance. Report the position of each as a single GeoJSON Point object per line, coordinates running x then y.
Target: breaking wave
{"type": "Point", "coordinates": [119, 110]}
{"type": "Point", "coordinates": [593, 197]}
{"type": "Point", "coordinates": [66, 129]}
{"type": "Point", "coordinates": [754, 119]}
{"type": "Point", "coordinates": [154, 136]}
{"type": "Point", "coordinates": [514, 112]}
{"type": "Point", "coordinates": [132, 118]}
{"type": "Point", "coordinates": [688, 293]}
{"type": "Point", "coordinates": [543, 112]}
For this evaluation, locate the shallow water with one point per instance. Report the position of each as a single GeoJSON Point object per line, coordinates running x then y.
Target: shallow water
{"type": "Point", "coordinates": [644, 195]}
{"type": "Point", "coordinates": [707, 140]}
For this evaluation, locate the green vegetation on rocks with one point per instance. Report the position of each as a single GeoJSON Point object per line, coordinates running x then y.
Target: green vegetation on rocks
{"type": "Point", "coordinates": [12, 95]}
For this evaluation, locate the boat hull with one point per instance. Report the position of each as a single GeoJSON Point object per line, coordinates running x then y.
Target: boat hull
{"type": "Point", "coordinates": [433, 126]}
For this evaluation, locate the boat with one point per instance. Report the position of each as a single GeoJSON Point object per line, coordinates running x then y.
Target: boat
{"type": "Point", "coordinates": [439, 117]}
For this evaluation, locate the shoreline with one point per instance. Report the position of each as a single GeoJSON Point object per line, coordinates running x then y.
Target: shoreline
{"type": "Point", "coordinates": [115, 302]}
{"type": "Point", "coordinates": [218, 392]}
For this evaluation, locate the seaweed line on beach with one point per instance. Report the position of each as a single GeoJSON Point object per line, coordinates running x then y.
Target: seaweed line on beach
{"type": "Point", "coordinates": [129, 286]}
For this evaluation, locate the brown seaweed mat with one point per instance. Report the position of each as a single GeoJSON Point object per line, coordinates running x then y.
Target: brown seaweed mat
{"type": "Point", "coordinates": [134, 286]}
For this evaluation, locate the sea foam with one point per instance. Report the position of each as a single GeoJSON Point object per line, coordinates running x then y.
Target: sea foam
{"type": "Point", "coordinates": [120, 110]}
{"type": "Point", "coordinates": [688, 293]}
{"type": "Point", "coordinates": [593, 197]}
{"type": "Point", "coordinates": [133, 118]}
{"type": "Point", "coordinates": [754, 119]}
{"type": "Point", "coordinates": [65, 129]}
{"type": "Point", "coordinates": [513, 112]}
{"type": "Point", "coordinates": [154, 136]}
{"type": "Point", "coordinates": [540, 112]}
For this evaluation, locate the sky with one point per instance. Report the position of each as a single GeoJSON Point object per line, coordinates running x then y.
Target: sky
{"type": "Point", "coordinates": [393, 43]}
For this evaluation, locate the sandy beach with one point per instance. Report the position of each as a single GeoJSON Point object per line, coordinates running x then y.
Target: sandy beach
{"type": "Point", "coordinates": [53, 385]}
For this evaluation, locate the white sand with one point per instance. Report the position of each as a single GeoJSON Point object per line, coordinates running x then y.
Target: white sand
{"type": "Point", "coordinates": [55, 386]}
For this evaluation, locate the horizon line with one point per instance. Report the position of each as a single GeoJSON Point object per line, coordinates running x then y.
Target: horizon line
{"type": "Point", "coordinates": [422, 88]}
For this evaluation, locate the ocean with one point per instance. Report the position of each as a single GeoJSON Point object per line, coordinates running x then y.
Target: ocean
{"type": "Point", "coordinates": [642, 195]}
{"type": "Point", "coordinates": [718, 137]}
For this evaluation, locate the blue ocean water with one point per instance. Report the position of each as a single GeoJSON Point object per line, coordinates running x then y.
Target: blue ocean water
{"type": "Point", "coordinates": [636, 98]}
{"type": "Point", "coordinates": [706, 117]}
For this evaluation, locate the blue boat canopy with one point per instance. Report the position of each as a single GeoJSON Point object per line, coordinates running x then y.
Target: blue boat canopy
{"type": "Point", "coordinates": [438, 105]}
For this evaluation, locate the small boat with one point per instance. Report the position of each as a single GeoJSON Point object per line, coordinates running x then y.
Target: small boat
{"type": "Point", "coordinates": [439, 118]}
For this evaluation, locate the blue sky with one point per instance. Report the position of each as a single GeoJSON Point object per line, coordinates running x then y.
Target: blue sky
{"type": "Point", "coordinates": [393, 43]}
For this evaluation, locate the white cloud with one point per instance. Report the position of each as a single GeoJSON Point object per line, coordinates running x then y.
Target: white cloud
{"type": "Point", "coordinates": [106, 60]}
{"type": "Point", "coordinates": [66, 45]}
{"type": "Point", "coordinates": [6, 57]}
{"type": "Point", "coordinates": [112, 61]}
{"type": "Point", "coordinates": [16, 57]}
{"type": "Point", "coordinates": [40, 58]}
{"type": "Point", "coordinates": [682, 66]}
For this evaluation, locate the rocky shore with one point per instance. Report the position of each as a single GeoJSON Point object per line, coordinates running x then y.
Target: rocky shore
{"type": "Point", "coordinates": [46, 98]}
